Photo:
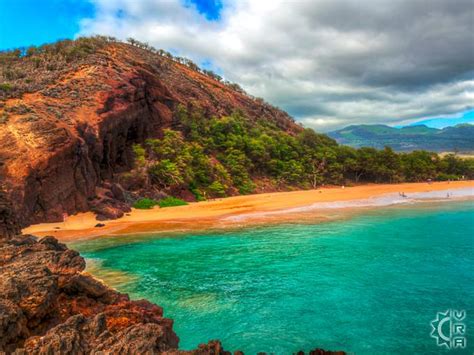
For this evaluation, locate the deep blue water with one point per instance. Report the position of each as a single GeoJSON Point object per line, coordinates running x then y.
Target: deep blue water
{"type": "Point", "coordinates": [368, 284]}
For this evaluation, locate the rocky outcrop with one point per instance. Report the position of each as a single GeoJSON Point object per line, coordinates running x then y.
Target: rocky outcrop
{"type": "Point", "coordinates": [48, 305]}
{"type": "Point", "coordinates": [109, 202]}
{"type": "Point", "coordinates": [62, 141]}
{"type": "Point", "coordinates": [9, 224]}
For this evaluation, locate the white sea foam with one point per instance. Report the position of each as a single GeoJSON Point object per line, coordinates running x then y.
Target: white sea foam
{"type": "Point", "coordinates": [379, 201]}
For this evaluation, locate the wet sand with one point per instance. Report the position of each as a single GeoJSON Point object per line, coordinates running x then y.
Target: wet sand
{"type": "Point", "coordinates": [232, 211]}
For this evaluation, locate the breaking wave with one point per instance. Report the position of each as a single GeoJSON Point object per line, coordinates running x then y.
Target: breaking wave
{"type": "Point", "coordinates": [379, 201]}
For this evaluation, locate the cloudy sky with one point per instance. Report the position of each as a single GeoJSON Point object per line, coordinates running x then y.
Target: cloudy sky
{"type": "Point", "coordinates": [329, 63]}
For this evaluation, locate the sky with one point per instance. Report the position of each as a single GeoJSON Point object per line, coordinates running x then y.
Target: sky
{"type": "Point", "coordinates": [445, 121]}
{"type": "Point", "coordinates": [329, 63]}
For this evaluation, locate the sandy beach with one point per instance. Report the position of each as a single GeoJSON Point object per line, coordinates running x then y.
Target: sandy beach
{"type": "Point", "coordinates": [231, 211]}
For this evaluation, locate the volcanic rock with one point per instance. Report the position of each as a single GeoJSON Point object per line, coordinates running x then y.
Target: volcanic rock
{"type": "Point", "coordinates": [48, 305]}
{"type": "Point", "coordinates": [9, 224]}
{"type": "Point", "coordinates": [74, 130]}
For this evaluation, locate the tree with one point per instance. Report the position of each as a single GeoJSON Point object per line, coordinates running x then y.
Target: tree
{"type": "Point", "coordinates": [132, 41]}
{"type": "Point", "coordinates": [387, 166]}
{"type": "Point", "coordinates": [313, 140]}
{"type": "Point", "coordinates": [165, 174]}
{"type": "Point", "coordinates": [419, 165]}
{"type": "Point", "coordinates": [220, 155]}
{"type": "Point", "coordinates": [317, 164]}
{"type": "Point", "coordinates": [217, 189]}
{"type": "Point", "coordinates": [237, 164]}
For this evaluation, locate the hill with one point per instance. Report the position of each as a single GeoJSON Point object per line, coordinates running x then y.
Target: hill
{"type": "Point", "coordinates": [458, 138]}
{"type": "Point", "coordinates": [101, 125]}
{"type": "Point", "coordinates": [71, 111]}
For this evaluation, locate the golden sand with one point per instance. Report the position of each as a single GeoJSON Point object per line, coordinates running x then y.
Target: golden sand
{"type": "Point", "coordinates": [208, 214]}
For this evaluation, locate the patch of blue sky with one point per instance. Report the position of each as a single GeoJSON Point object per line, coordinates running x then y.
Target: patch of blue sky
{"type": "Point", "coordinates": [211, 9]}
{"type": "Point", "coordinates": [32, 22]}
{"type": "Point", "coordinates": [208, 64]}
{"type": "Point", "coordinates": [445, 121]}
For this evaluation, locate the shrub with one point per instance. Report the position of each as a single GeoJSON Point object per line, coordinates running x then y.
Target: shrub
{"type": "Point", "coordinates": [217, 189]}
{"type": "Point", "coordinates": [139, 152]}
{"type": "Point", "coordinates": [19, 109]}
{"type": "Point", "coordinates": [5, 87]}
{"type": "Point", "coordinates": [246, 188]}
{"type": "Point", "coordinates": [145, 204]}
{"type": "Point", "coordinates": [197, 192]}
{"type": "Point", "coordinates": [171, 202]}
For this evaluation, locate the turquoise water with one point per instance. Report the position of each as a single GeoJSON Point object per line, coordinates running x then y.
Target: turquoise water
{"type": "Point", "coordinates": [368, 284]}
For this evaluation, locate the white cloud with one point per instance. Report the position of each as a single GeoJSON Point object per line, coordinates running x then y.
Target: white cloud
{"type": "Point", "coordinates": [329, 63]}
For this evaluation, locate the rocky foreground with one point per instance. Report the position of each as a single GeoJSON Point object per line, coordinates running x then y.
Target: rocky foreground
{"type": "Point", "coordinates": [49, 306]}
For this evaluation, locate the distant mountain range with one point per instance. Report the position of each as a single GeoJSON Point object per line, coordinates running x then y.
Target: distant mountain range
{"type": "Point", "coordinates": [458, 138]}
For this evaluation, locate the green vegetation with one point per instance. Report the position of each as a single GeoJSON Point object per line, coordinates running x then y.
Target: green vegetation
{"type": "Point", "coordinates": [148, 203]}
{"type": "Point", "coordinates": [5, 87]}
{"type": "Point", "coordinates": [171, 202]}
{"type": "Point", "coordinates": [145, 204]}
{"type": "Point", "coordinates": [228, 155]}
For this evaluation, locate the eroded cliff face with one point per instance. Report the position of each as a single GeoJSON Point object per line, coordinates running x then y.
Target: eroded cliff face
{"type": "Point", "coordinates": [9, 224]}
{"type": "Point", "coordinates": [59, 143]}
{"type": "Point", "coordinates": [48, 305]}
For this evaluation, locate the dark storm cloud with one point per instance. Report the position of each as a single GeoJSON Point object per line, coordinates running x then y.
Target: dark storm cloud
{"type": "Point", "coordinates": [329, 63]}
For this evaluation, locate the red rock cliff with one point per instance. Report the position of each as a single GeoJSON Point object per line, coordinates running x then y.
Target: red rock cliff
{"type": "Point", "coordinates": [64, 137]}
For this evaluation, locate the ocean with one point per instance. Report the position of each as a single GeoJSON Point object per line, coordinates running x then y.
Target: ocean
{"type": "Point", "coordinates": [370, 283]}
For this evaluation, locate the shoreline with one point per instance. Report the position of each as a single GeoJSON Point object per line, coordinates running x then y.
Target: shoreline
{"type": "Point", "coordinates": [324, 204]}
